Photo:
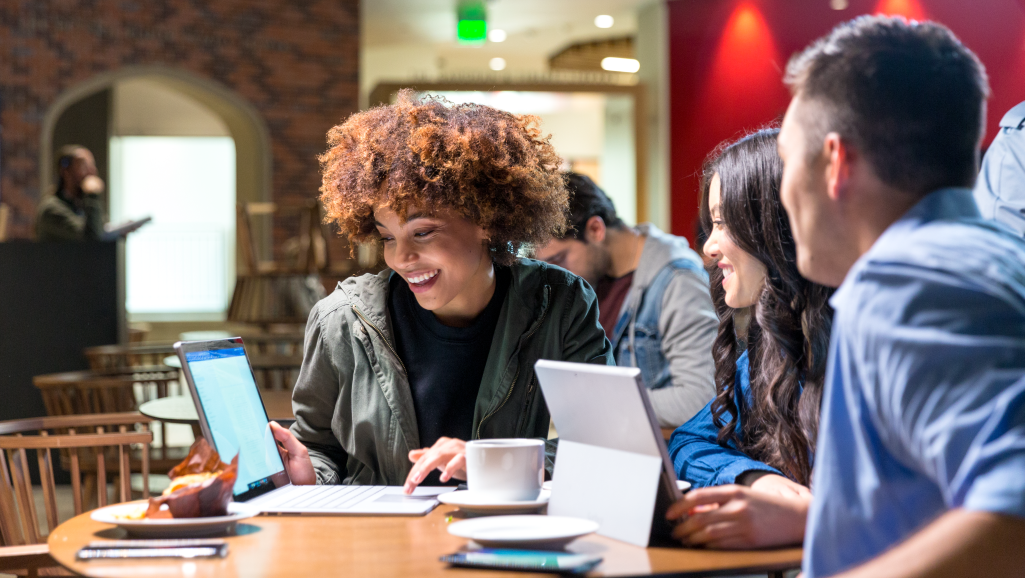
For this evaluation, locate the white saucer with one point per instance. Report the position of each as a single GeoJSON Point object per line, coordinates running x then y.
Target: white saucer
{"type": "Point", "coordinates": [547, 532]}
{"type": "Point", "coordinates": [174, 527]}
{"type": "Point", "coordinates": [683, 485]}
{"type": "Point", "coordinates": [474, 504]}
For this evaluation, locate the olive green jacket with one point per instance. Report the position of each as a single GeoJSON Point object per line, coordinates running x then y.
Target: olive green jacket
{"type": "Point", "coordinates": [352, 401]}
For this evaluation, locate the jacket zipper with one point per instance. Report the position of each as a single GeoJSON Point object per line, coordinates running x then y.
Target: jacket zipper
{"type": "Point", "coordinates": [383, 338]}
{"type": "Point", "coordinates": [537, 326]}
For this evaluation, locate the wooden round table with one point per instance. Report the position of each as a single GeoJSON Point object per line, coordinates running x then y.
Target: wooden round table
{"type": "Point", "coordinates": [181, 408]}
{"type": "Point", "coordinates": [268, 546]}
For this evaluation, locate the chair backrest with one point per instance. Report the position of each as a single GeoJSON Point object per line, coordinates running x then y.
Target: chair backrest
{"type": "Point", "coordinates": [106, 358]}
{"type": "Point", "coordinates": [97, 436]}
{"type": "Point", "coordinates": [276, 371]}
{"type": "Point", "coordinates": [137, 332]}
{"type": "Point", "coordinates": [87, 392]}
{"type": "Point", "coordinates": [275, 356]}
{"type": "Point", "coordinates": [308, 252]}
{"type": "Point", "coordinates": [5, 219]}
{"type": "Point", "coordinates": [287, 342]}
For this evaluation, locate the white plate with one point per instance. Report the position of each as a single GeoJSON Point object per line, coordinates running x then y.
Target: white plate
{"type": "Point", "coordinates": [174, 527]}
{"type": "Point", "coordinates": [473, 504]}
{"type": "Point", "coordinates": [523, 531]}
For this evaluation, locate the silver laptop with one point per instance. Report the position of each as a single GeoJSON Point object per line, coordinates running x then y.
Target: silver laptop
{"type": "Point", "coordinates": [234, 421]}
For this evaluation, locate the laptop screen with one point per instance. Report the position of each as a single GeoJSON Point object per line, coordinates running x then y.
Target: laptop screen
{"type": "Point", "coordinates": [235, 414]}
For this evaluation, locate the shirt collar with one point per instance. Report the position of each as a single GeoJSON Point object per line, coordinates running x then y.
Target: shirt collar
{"type": "Point", "coordinates": [946, 204]}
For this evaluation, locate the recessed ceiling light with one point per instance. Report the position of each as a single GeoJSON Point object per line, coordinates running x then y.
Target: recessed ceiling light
{"type": "Point", "coordinates": [838, 4]}
{"type": "Point", "coordinates": [604, 21]}
{"type": "Point", "coordinates": [496, 35]}
{"type": "Point", "coordinates": [497, 63]}
{"type": "Point", "coordinates": [613, 64]}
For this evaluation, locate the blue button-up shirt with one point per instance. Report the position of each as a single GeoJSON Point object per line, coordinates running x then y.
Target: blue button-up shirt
{"type": "Point", "coordinates": [924, 402]}
{"type": "Point", "coordinates": [1000, 189]}
{"type": "Point", "coordinates": [694, 446]}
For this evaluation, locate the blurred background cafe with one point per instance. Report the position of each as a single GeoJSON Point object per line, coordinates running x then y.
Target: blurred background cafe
{"type": "Point", "coordinates": [207, 117]}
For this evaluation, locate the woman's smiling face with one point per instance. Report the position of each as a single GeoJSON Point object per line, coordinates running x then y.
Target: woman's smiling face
{"type": "Point", "coordinates": [743, 274]}
{"type": "Point", "coordinates": [443, 258]}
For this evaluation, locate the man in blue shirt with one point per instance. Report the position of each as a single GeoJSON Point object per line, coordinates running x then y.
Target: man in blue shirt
{"type": "Point", "coordinates": [920, 460]}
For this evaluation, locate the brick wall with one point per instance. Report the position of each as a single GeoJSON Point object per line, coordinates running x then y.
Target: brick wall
{"type": "Point", "coordinates": [295, 61]}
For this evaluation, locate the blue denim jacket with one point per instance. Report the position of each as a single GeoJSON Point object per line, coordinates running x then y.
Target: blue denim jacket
{"type": "Point", "coordinates": [642, 347]}
{"type": "Point", "coordinates": [695, 450]}
{"type": "Point", "coordinates": [666, 327]}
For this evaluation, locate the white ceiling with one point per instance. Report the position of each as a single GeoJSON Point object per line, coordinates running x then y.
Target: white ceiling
{"type": "Point", "coordinates": [535, 26]}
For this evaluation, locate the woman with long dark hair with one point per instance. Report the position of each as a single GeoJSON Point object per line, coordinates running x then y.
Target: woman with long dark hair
{"type": "Point", "coordinates": [754, 442]}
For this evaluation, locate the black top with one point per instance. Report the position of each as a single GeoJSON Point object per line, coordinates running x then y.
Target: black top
{"type": "Point", "coordinates": [445, 364]}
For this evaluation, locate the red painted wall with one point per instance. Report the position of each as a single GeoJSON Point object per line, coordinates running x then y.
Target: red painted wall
{"type": "Point", "coordinates": [726, 61]}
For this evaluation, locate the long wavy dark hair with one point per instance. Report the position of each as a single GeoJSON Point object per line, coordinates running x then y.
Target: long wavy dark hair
{"type": "Point", "coordinates": [788, 336]}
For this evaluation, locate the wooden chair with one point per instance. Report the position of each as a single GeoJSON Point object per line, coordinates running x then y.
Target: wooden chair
{"type": "Point", "coordinates": [78, 393]}
{"type": "Point", "coordinates": [275, 356]}
{"type": "Point", "coordinates": [137, 332]}
{"type": "Point", "coordinates": [280, 288]}
{"type": "Point", "coordinates": [284, 342]}
{"type": "Point", "coordinates": [5, 220]}
{"type": "Point", "coordinates": [276, 372]}
{"type": "Point", "coordinates": [105, 358]}
{"type": "Point", "coordinates": [309, 250]}
{"type": "Point", "coordinates": [103, 436]}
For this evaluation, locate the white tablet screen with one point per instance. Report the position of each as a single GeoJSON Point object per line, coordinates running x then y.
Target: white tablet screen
{"type": "Point", "coordinates": [235, 414]}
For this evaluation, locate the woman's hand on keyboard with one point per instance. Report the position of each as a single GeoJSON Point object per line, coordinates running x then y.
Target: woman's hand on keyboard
{"type": "Point", "coordinates": [447, 455]}
{"type": "Point", "coordinates": [294, 455]}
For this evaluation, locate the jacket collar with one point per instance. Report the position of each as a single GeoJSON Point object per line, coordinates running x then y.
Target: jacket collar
{"type": "Point", "coordinates": [369, 294]}
{"type": "Point", "coordinates": [660, 248]}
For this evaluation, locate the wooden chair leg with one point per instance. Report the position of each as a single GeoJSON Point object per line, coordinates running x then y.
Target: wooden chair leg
{"type": "Point", "coordinates": [89, 490]}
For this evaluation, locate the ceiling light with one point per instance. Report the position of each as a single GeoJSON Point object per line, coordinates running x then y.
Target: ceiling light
{"type": "Point", "coordinates": [604, 21]}
{"type": "Point", "coordinates": [497, 63]}
{"type": "Point", "coordinates": [613, 64]}
{"type": "Point", "coordinates": [838, 4]}
{"type": "Point", "coordinates": [497, 35]}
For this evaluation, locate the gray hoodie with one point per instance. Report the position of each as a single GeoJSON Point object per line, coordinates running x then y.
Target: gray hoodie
{"type": "Point", "coordinates": [666, 327]}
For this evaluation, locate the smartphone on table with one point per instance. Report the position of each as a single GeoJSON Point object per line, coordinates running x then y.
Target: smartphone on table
{"type": "Point", "coordinates": [530, 560]}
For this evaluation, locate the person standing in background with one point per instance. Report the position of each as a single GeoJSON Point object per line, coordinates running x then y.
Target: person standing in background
{"type": "Point", "coordinates": [653, 299]}
{"type": "Point", "coordinates": [75, 211]}
{"type": "Point", "coordinates": [1000, 190]}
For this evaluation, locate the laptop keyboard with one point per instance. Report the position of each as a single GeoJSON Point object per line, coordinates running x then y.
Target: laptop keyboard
{"type": "Point", "coordinates": [319, 498]}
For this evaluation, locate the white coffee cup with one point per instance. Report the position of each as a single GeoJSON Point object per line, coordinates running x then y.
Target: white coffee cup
{"type": "Point", "coordinates": [505, 470]}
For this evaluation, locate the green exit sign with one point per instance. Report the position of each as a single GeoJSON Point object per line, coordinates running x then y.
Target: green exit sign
{"type": "Point", "coordinates": [472, 25]}
{"type": "Point", "coordinates": [472, 31]}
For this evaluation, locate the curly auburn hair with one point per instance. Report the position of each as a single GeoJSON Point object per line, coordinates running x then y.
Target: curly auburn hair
{"type": "Point", "coordinates": [788, 337]}
{"type": "Point", "coordinates": [492, 167]}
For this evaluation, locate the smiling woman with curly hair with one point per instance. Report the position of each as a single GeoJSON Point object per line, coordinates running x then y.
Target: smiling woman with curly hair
{"type": "Point", "coordinates": [492, 167]}
{"type": "Point", "coordinates": [402, 367]}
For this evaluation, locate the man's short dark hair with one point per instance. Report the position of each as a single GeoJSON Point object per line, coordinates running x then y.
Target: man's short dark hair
{"type": "Point", "coordinates": [65, 155]}
{"type": "Point", "coordinates": [907, 95]}
{"type": "Point", "coordinates": [587, 200]}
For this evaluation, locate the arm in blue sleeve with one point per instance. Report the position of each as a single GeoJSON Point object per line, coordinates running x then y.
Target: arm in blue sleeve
{"type": "Point", "coordinates": [951, 393]}
{"type": "Point", "coordinates": [698, 457]}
